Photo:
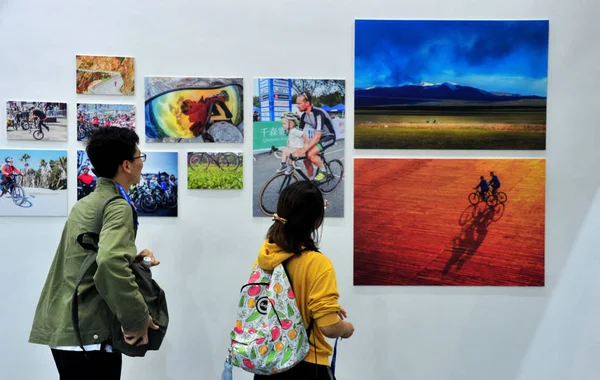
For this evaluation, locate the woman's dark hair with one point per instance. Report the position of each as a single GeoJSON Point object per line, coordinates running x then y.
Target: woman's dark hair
{"type": "Point", "coordinates": [109, 147]}
{"type": "Point", "coordinates": [302, 205]}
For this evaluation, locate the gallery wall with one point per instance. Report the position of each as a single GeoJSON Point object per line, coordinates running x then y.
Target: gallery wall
{"type": "Point", "coordinates": [206, 252]}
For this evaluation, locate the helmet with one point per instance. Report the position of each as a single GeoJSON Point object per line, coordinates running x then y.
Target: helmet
{"type": "Point", "coordinates": [290, 116]}
{"type": "Point", "coordinates": [8, 159]}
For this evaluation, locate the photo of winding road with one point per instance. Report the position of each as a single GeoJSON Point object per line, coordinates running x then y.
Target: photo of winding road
{"type": "Point", "coordinates": [438, 222]}
{"type": "Point", "coordinates": [100, 75]}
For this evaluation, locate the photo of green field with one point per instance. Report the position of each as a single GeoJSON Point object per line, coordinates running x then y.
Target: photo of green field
{"type": "Point", "coordinates": [453, 84]}
{"type": "Point", "coordinates": [217, 171]}
{"type": "Point", "coordinates": [498, 127]}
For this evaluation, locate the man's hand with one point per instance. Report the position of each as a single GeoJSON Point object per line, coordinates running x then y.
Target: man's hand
{"type": "Point", "coordinates": [147, 253]}
{"type": "Point", "coordinates": [132, 337]}
{"type": "Point", "coordinates": [343, 314]}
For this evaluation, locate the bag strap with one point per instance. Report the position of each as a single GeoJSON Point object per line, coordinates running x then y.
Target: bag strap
{"type": "Point", "coordinates": [334, 357]}
{"type": "Point", "coordinates": [89, 241]}
{"type": "Point", "coordinates": [312, 321]}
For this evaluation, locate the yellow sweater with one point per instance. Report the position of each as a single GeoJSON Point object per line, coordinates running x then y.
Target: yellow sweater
{"type": "Point", "coordinates": [315, 288]}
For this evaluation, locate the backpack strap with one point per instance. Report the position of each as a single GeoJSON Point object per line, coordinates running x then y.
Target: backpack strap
{"type": "Point", "coordinates": [312, 321]}
{"type": "Point", "coordinates": [89, 241]}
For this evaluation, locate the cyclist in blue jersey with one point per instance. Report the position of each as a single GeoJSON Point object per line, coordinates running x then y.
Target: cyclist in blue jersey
{"type": "Point", "coordinates": [483, 188]}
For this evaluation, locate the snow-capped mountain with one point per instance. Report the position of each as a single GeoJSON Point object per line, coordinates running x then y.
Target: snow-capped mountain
{"type": "Point", "coordinates": [430, 92]}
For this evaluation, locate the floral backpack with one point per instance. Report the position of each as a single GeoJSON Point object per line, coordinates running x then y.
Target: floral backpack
{"type": "Point", "coordinates": [269, 335]}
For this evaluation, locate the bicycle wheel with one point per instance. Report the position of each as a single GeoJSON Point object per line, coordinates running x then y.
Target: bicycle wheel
{"type": "Point", "coordinates": [335, 173]}
{"type": "Point", "coordinates": [269, 195]}
{"type": "Point", "coordinates": [491, 201]}
{"type": "Point", "coordinates": [205, 160]}
{"type": "Point", "coordinates": [25, 125]}
{"type": "Point", "coordinates": [172, 201]}
{"type": "Point", "coordinates": [38, 135]}
{"type": "Point", "coordinates": [18, 195]}
{"type": "Point", "coordinates": [148, 203]}
{"type": "Point", "coordinates": [228, 161]}
{"type": "Point", "coordinates": [81, 134]}
{"type": "Point", "coordinates": [194, 161]}
{"type": "Point", "coordinates": [474, 198]}
{"type": "Point", "coordinates": [502, 197]}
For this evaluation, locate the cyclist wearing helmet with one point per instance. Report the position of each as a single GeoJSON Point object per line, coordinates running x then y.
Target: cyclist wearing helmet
{"type": "Point", "coordinates": [324, 136]}
{"type": "Point", "coordinates": [7, 171]}
{"type": "Point", "coordinates": [296, 139]}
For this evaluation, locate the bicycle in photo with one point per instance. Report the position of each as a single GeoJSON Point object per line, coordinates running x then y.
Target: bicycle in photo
{"type": "Point", "coordinates": [228, 161]}
{"type": "Point", "coordinates": [16, 191]}
{"type": "Point", "coordinates": [269, 194]}
{"type": "Point", "coordinates": [38, 134]}
{"type": "Point", "coordinates": [491, 199]}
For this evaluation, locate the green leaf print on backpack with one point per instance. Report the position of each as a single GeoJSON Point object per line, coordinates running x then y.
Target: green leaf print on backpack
{"type": "Point", "coordinates": [286, 355]}
{"type": "Point", "coordinates": [254, 316]}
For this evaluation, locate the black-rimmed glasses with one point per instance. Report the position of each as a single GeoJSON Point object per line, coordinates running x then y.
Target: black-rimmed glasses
{"type": "Point", "coordinates": [141, 156]}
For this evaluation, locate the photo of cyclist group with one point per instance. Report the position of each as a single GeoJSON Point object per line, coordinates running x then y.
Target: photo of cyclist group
{"type": "Point", "coordinates": [189, 109]}
{"type": "Point", "coordinates": [33, 182]}
{"type": "Point", "coordinates": [449, 222]}
{"type": "Point", "coordinates": [156, 193]}
{"type": "Point", "coordinates": [297, 136]}
{"type": "Point", "coordinates": [45, 121]}
{"type": "Point", "coordinates": [91, 117]}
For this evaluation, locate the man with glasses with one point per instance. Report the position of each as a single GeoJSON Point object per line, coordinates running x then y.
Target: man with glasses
{"type": "Point", "coordinates": [324, 136]}
{"type": "Point", "coordinates": [111, 289]}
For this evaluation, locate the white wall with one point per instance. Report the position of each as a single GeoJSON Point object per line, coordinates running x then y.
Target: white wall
{"type": "Point", "coordinates": [401, 332]}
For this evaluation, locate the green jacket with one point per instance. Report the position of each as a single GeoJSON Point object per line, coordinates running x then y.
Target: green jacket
{"type": "Point", "coordinates": [111, 288]}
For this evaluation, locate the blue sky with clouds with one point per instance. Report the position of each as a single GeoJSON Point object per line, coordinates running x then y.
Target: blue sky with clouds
{"type": "Point", "coordinates": [161, 162]}
{"type": "Point", "coordinates": [502, 56]}
{"type": "Point", "coordinates": [36, 156]}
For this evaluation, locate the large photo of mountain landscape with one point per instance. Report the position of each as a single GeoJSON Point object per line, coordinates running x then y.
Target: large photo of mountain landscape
{"type": "Point", "coordinates": [451, 84]}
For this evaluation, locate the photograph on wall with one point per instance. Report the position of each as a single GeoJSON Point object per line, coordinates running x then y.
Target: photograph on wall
{"type": "Point", "coordinates": [450, 84]}
{"type": "Point", "coordinates": [91, 117]}
{"type": "Point", "coordinates": [156, 194]}
{"type": "Point", "coordinates": [103, 75]}
{"type": "Point", "coordinates": [298, 135]}
{"type": "Point", "coordinates": [453, 222]}
{"type": "Point", "coordinates": [188, 109]}
{"type": "Point", "coordinates": [36, 121]}
{"type": "Point", "coordinates": [34, 182]}
{"type": "Point", "coordinates": [217, 171]}
{"type": "Point", "coordinates": [86, 179]}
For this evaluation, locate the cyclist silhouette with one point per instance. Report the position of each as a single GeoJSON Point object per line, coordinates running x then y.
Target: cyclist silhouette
{"type": "Point", "coordinates": [483, 188]}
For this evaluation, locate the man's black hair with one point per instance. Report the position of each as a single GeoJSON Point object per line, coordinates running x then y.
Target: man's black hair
{"type": "Point", "coordinates": [109, 147]}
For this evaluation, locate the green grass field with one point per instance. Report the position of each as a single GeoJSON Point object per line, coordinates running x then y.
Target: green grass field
{"type": "Point", "coordinates": [215, 178]}
{"type": "Point", "coordinates": [421, 138]}
{"type": "Point", "coordinates": [507, 129]}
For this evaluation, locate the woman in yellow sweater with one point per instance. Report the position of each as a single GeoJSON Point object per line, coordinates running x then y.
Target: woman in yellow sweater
{"type": "Point", "coordinates": [292, 238]}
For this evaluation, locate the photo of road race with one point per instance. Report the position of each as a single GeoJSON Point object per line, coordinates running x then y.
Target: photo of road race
{"type": "Point", "coordinates": [34, 182]}
{"type": "Point", "coordinates": [36, 121]}
{"type": "Point", "coordinates": [456, 222]}
{"type": "Point", "coordinates": [101, 75]}
{"type": "Point", "coordinates": [304, 119]}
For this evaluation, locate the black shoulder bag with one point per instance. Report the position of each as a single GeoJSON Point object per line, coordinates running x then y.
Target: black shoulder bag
{"type": "Point", "coordinates": [154, 296]}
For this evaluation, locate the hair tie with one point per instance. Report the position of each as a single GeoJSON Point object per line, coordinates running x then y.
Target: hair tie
{"type": "Point", "coordinates": [279, 219]}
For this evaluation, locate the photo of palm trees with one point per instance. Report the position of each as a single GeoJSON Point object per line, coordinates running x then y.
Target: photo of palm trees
{"type": "Point", "coordinates": [34, 182]}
